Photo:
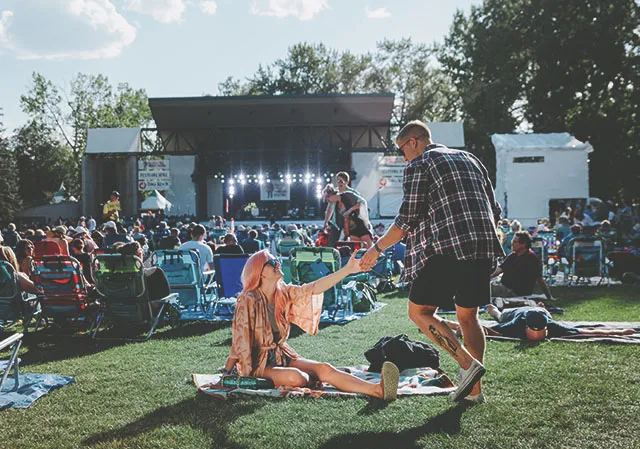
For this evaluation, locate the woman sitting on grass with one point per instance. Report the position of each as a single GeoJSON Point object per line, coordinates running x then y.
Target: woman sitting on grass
{"type": "Point", "coordinates": [265, 310]}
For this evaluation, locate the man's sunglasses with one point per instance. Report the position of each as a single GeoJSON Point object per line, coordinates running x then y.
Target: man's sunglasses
{"type": "Point", "coordinates": [272, 262]}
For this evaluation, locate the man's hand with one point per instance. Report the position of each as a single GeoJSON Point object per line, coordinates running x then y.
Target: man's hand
{"type": "Point", "coordinates": [370, 259]}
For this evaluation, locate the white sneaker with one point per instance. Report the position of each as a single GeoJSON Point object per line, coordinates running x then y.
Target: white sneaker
{"type": "Point", "coordinates": [468, 378]}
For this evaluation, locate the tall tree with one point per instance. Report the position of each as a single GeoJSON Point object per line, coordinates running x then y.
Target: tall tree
{"type": "Point", "coordinates": [10, 201]}
{"type": "Point", "coordinates": [422, 90]}
{"type": "Point", "coordinates": [89, 101]}
{"type": "Point", "coordinates": [43, 163]}
{"type": "Point", "coordinates": [553, 67]}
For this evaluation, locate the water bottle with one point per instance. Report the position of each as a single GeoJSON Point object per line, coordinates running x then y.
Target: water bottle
{"type": "Point", "coordinates": [253, 383]}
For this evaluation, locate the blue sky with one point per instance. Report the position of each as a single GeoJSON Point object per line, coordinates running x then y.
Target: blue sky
{"type": "Point", "coordinates": [186, 47]}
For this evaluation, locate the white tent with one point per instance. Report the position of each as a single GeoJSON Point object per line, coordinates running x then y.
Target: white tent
{"type": "Point", "coordinates": [533, 169]}
{"type": "Point", "coordinates": [155, 202]}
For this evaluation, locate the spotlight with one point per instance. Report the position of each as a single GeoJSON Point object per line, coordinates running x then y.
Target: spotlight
{"type": "Point", "coordinates": [242, 182]}
{"type": "Point", "coordinates": [307, 181]}
{"type": "Point", "coordinates": [319, 195]}
{"type": "Point", "coordinates": [268, 180]}
{"type": "Point", "coordinates": [232, 182]}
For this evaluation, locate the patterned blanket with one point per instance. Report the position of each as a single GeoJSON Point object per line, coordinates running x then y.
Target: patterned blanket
{"type": "Point", "coordinates": [414, 381]}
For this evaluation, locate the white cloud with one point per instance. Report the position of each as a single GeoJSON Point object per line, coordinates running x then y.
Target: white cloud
{"type": "Point", "coordinates": [380, 13]}
{"type": "Point", "coordinates": [165, 11]}
{"type": "Point", "coordinates": [208, 7]}
{"type": "Point", "coordinates": [65, 29]}
{"type": "Point", "coordinates": [5, 23]}
{"type": "Point", "coordinates": [303, 9]}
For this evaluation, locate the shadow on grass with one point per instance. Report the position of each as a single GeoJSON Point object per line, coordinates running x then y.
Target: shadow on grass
{"type": "Point", "coordinates": [212, 417]}
{"type": "Point", "coordinates": [447, 422]}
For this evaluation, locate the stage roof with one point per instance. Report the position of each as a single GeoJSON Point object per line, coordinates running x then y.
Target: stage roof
{"type": "Point", "coordinates": [206, 112]}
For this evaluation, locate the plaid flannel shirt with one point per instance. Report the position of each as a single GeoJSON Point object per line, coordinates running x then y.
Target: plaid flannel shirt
{"type": "Point", "coordinates": [448, 208]}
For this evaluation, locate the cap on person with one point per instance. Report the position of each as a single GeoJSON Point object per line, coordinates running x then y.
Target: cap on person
{"type": "Point", "coordinates": [537, 320]}
{"type": "Point", "coordinates": [115, 193]}
{"type": "Point", "coordinates": [81, 230]}
{"type": "Point", "coordinates": [110, 224]}
{"type": "Point", "coordinates": [60, 230]}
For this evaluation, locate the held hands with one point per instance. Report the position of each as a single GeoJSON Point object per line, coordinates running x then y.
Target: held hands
{"type": "Point", "coordinates": [354, 265]}
{"type": "Point", "coordinates": [369, 259]}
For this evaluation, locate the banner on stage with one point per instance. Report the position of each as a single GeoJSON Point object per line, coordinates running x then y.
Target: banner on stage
{"type": "Point", "coordinates": [275, 191]}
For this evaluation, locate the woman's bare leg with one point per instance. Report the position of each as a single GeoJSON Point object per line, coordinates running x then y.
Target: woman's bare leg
{"type": "Point", "coordinates": [286, 376]}
{"type": "Point", "coordinates": [325, 372]}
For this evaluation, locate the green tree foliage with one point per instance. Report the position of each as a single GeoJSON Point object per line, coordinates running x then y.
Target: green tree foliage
{"type": "Point", "coordinates": [43, 163]}
{"type": "Point", "coordinates": [89, 101]}
{"type": "Point", "coordinates": [422, 91]}
{"type": "Point", "coordinates": [10, 201]}
{"type": "Point", "coordinates": [551, 66]}
{"type": "Point", "coordinates": [400, 67]}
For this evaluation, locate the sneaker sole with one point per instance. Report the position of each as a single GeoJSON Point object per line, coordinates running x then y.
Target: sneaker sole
{"type": "Point", "coordinates": [460, 394]}
{"type": "Point", "coordinates": [390, 376]}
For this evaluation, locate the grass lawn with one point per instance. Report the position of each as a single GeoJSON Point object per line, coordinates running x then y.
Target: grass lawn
{"type": "Point", "coordinates": [141, 395]}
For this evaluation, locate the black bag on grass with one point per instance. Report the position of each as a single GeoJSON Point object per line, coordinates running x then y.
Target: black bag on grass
{"type": "Point", "coordinates": [402, 351]}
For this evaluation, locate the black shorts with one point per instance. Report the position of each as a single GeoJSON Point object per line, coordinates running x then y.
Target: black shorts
{"type": "Point", "coordinates": [444, 278]}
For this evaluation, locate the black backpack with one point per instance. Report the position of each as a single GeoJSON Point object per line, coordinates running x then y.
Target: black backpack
{"type": "Point", "coordinates": [402, 351]}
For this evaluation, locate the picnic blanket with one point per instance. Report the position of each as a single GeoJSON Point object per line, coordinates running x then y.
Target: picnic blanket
{"type": "Point", "coordinates": [633, 339]}
{"type": "Point", "coordinates": [31, 387]}
{"type": "Point", "coordinates": [413, 381]}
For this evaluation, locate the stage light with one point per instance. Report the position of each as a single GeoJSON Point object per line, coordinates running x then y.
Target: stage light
{"type": "Point", "coordinates": [307, 181]}
{"type": "Point", "coordinates": [242, 182]}
{"type": "Point", "coordinates": [260, 177]}
{"type": "Point", "coordinates": [268, 180]}
{"type": "Point", "coordinates": [232, 182]}
{"type": "Point", "coordinates": [222, 181]}
{"type": "Point", "coordinates": [215, 176]}
{"type": "Point", "coordinates": [260, 181]}
{"type": "Point", "coordinates": [222, 176]}
{"type": "Point", "coordinates": [235, 176]}
{"type": "Point", "coordinates": [288, 181]}
{"type": "Point", "coordinates": [319, 195]}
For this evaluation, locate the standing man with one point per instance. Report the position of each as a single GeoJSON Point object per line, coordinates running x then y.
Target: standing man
{"type": "Point", "coordinates": [448, 214]}
{"type": "Point", "coordinates": [111, 209]}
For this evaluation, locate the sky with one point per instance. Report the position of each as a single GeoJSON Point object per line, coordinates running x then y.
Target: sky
{"type": "Point", "coordinates": [177, 48]}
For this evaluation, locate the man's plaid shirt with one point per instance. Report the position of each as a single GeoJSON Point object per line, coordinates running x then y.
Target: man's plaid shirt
{"type": "Point", "coordinates": [448, 208]}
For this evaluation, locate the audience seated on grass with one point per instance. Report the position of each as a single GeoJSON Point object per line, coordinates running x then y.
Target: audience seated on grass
{"type": "Point", "coordinates": [230, 245]}
{"type": "Point", "coordinates": [264, 313]}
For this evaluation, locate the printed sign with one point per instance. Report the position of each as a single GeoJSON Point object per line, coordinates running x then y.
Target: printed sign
{"type": "Point", "coordinates": [153, 164]}
{"type": "Point", "coordinates": [275, 191]}
{"type": "Point", "coordinates": [154, 185]}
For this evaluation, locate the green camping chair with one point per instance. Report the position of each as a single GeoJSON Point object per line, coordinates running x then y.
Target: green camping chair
{"type": "Point", "coordinates": [309, 264]}
{"type": "Point", "coordinates": [15, 306]}
{"type": "Point", "coordinates": [125, 302]}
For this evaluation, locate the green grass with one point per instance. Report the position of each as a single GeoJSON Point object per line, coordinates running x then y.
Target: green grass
{"type": "Point", "coordinates": [141, 395]}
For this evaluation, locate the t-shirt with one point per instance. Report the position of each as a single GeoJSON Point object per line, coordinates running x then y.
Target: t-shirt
{"type": "Point", "coordinates": [251, 246]}
{"type": "Point", "coordinates": [110, 210]}
{"type": "Point", "coordinates": [520, 272]}
{"type": "Point", "coordinates": [206, 255]}
{"type": "Point", "coordinates": [514, 324]}
{"type": "Point", "coordinates": [230, 249]}
{"type": "Point", "coordinates": [169, 242]}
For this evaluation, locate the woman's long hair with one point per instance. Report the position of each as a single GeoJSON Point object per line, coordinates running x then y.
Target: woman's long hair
{"type": "Point", "coordinates": [21, 250]}
{"type": "Point", "coordinates": [8, 255]}
{"type": "Point", "coordinates": [253, 270]}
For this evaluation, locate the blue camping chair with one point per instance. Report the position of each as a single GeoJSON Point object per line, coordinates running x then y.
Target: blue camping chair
{"type": "Point", "coordinates": [125, 302]}
{"type": "Point", "coordinates": [228, 284]}
{"type": "Point", "coordinates": [309, 264]}
{"type": "Point", "coordinates": [587, 261]}
{"type": "Point", "coordinates": [15, 306]}
{"type": "Point", "coordinates": [194, 288]}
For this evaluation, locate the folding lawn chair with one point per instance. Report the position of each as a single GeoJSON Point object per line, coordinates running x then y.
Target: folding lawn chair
{"type": "Point", "coordinates": [309, 264]}
{"type": "Point", "coordinates": [228, 269]}
{"type": "Point", "coordinates": [587, 261]}
{"type": "Point", "coordinates": [64, 295]}
{"type": "Point", "coordinates": [194, 288]}
{"type": "Point", "coordinates": [125, 303]}
{"type": "Point", "coordinates": [15, 306]}
{"type": "Point", "coordinates": [283, 250]}
{"type": "Point", "coordinates": [12, 343]}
